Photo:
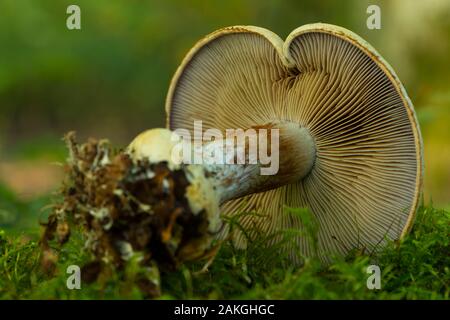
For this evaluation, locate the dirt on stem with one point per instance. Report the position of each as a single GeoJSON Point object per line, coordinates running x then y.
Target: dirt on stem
{"type": "Point", "coordinates": [126, 210]}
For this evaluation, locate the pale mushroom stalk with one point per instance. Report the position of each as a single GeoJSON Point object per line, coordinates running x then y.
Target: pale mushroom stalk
{"type": "Point", "coordinates": [213, 183]}
{"type": "Point", "coordinates": [235, 175]}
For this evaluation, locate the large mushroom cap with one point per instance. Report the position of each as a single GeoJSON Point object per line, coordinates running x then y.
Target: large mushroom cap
{"type": "Point", "coordinates": [365, 184]}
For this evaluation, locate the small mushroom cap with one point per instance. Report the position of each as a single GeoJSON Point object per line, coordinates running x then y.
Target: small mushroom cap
{"type": "Point", "coordinates": [365, 184]}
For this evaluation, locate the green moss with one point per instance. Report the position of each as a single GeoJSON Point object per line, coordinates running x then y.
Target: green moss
{"type": "Point", "coordinates": [418, 268]}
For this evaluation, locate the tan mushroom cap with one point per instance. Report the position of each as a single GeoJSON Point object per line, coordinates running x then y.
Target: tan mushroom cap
{"type": "Point", "coordinates": [366, 181]}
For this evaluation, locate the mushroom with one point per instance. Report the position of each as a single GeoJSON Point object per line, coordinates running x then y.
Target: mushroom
{"type": "Point", "coordinates": [350, 149]}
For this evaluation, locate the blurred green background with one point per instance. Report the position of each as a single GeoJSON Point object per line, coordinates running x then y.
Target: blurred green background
{"type": "Point", "coordinates": [110, 78]}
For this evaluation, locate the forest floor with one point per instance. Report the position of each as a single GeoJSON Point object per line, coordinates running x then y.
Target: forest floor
{"type": "Point", "coordinates": [416, 268]}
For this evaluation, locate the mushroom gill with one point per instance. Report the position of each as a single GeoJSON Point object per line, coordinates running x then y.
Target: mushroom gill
{"type": "Point", "coordinates": [365, 182]}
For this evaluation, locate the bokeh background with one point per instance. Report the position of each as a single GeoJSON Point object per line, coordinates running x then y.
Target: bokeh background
{"type": "Point", "coordinates": [110, 78]}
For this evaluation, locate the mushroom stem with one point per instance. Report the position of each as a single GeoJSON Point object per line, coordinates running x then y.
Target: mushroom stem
{"type": "Point", "coordinates": [241, 169]}
{"type": "Point", "coordinates": [267, 157]}
{"type": "Point", "coordinates": [285, 153]}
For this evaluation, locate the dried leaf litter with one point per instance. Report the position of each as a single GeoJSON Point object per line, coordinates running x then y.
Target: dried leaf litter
{"type": "Point", "coordinates": [125, 209]}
